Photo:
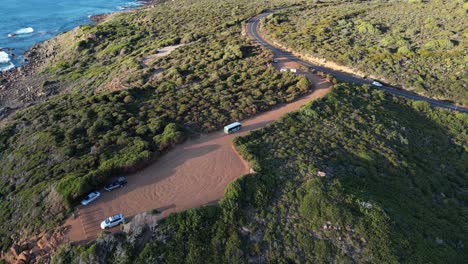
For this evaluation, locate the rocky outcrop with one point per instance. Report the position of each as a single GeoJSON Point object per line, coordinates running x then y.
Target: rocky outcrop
{"type": "Point", "coordinates": [38, 249]}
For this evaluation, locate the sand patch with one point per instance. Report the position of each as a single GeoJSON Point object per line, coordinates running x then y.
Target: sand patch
{"type": "Point", "coordinates": [192, 174]}
{"type": "Point", "coordinates": [162, 52]}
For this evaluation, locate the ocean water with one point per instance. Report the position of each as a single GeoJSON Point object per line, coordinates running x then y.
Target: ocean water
{"type": "Point", "coordinates": [24, 23]}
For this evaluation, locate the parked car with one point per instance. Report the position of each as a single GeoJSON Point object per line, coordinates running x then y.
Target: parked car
{"type": "Point", "coordinates": [113, 221]}
{"type": "Point", "coordinates": [91, 197]}
{"type": "Point", "coordinates": [120, 182]}
{"type": "Point", "coordinates": [275, 60]}
{"type": "Point", "coordinates": [376, 83]}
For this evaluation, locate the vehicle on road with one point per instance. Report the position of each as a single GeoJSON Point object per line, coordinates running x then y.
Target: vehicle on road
{"type": "Point", "coordinates": [234, 127]}
{"type": "Point", "coordinates": [288, 70]}
{"type": "Point", "coordinates": [119, 183]}
{"type": "Point", "coordinates": [113, 221]}
{"type": "Point", "coordinates": [376, 83]}
{"type": "Point", "coordinates": [275, 60]}
{"type": "Point", "coordinates": [90, 197]}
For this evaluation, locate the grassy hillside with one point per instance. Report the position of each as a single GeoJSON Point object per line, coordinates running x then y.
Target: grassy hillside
{"type": "Point", "coordinates": [359, 176]}
{"type": "Point", "coordinates": [420, 45]}
{"type": "Point", "coordinates": [56, 151]}
{"type": "Point", "coordinates": [114, 54]}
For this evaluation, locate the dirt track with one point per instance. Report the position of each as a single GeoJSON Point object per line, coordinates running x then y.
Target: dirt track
{"type": "Point", "coordinates": [191, 175]}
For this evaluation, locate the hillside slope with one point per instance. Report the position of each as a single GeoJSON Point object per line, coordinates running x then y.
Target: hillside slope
{"type": "Point", "coordinates": [359, 176]}
{"type": "Point", "coordinates": [113, 55]}
{"type": "Point", "coordinates": [54, 152]}
{"type": "Point", "coordinates": [421, 46]}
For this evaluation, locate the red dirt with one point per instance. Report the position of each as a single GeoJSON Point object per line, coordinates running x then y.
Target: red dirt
{"type": "Point", "coordinates": [191, 175]}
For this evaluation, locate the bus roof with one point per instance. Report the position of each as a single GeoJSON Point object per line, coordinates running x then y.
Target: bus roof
{"type": "Point", "coordinates": [232, 125]}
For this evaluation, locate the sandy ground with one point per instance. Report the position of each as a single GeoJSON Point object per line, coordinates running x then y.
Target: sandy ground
{"type": "Point", "coordinates": [191, 175]}
{"type": "Point", "coordinates": [162, 52]}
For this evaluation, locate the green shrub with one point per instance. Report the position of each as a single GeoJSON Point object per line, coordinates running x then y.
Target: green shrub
{"type": "Point", "coordinates": [400, 43]}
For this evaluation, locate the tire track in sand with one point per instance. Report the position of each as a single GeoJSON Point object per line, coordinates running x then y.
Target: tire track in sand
{"type": "Point", "coordinates": [192, 174]}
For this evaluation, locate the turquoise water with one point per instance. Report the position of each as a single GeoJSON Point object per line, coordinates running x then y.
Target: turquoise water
{"type": "Point", "coordinates": [24, 23]}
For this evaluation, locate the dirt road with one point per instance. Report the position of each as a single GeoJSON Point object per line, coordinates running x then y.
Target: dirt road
{"type": "Point", "coordinates": [191, 175]}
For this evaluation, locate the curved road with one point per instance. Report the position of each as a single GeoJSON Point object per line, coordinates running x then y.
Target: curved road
{"type": "Point", "coordinates": [252, 30]}
{"type": "Point", "coordinates": [190, 175]}
{"type": "Point", "coordinates": [196, 172]}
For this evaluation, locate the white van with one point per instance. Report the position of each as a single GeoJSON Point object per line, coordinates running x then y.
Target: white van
{"type": "Point", "coordinates": [234, 127]}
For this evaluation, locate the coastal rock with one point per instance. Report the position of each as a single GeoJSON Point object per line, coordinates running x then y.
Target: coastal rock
{"type": "Point", "coordinates": [23, 258]}
{"type": "Point", "coordinates": [15, 250]}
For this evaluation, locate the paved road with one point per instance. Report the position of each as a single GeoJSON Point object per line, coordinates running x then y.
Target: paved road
{"type": "Point", "coordinates": [190, 175]}
{"type": "Point", "coordinates": [252, 30]}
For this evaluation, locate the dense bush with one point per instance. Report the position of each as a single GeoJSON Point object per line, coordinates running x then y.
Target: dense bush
{"type": "Point", "coordinates": [119, 53]}
{"type": "Point", "coordinates": [389, 194]}
{"type": "Point", "coordinates": [420, 46]}
{"type": "Point", "coordinates": [359, 176]}
{"type": "Point", "coordinates": [59, 150]}
{"type": "Point", "coordinates": [53, 153]}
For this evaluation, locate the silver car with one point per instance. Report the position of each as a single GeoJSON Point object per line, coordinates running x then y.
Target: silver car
{"type": "Point", "coordinates": [91, 197]}
{"type": "Point", "coordinates": [113, 221]}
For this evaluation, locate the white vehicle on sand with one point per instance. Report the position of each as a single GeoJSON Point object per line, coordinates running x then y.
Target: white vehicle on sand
{"type": "Point", "coordinates": [113, 221]}
{"type": "Point", "coordinates": [234, 127]}
{"type": "Point", "coordinates": [91, 197]}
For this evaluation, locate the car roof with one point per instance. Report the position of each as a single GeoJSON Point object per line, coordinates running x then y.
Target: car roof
{"type": "Point", "coordinates": [121, 178]}
{"type": "Point", "coordinates": [232, 125]}
{"type": "Point", "coordinates": [116, 216]}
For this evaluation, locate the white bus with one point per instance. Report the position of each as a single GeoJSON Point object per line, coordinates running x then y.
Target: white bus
{"type": "Point", "coordinates": [234, 127]}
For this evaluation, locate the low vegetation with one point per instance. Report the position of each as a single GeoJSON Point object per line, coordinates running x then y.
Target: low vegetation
{"type": "Point", "coordinates": [112, 55]}
{"type": "Point", "coordinates": [420, 45]}
{"type": "Point", "coordinates": [53, 153]}
{"type": "Point", "coordinates": [359, 176]}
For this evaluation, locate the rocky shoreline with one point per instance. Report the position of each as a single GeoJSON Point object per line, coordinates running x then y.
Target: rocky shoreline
{"type": "Point", "coordinates": [8, 96]}
{"type": "Point", "coordinates": [13, 94]}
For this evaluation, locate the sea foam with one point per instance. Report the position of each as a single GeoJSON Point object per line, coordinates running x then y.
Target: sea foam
{"type": "Point", "coordinates": [4, 58]}
{"type": "Point", "coordinates": [26, 30]}
{"type": "Point", "coordinates": [5, 63]}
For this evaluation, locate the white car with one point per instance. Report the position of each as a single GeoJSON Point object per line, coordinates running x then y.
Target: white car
{"type": "Point", "coordinates": [376, 83]}
{"type": "Point", "coordinates": [113, 221]}
{"type": "Point", "coordinates": [91, 197]}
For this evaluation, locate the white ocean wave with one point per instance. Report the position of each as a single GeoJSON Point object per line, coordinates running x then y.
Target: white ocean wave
{"type": "Point", "coordinates": [26, 30]}
{"type": "Point", "coordinates": [9, 66]}
{"type": "Point", "coordinates": [5, 62]}
{"type": "Point", "coordinates": [4, 58]}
